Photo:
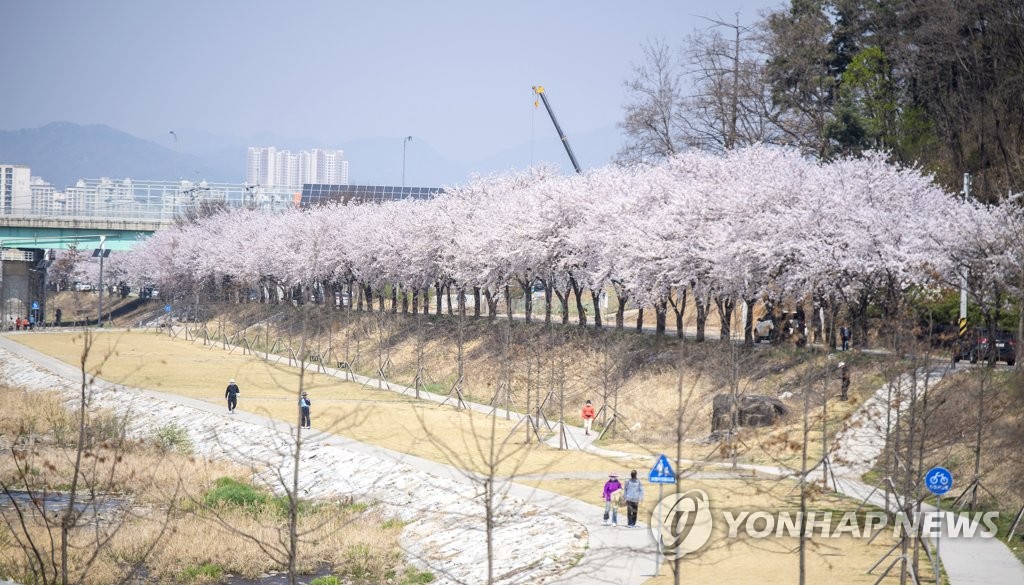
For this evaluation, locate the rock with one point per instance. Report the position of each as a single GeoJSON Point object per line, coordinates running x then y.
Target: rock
{"type": "Point", "coordinates": [752, 410]}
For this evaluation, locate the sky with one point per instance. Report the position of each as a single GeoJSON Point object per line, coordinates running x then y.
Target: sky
{"type": "Point", "coordinates": [456, 74]}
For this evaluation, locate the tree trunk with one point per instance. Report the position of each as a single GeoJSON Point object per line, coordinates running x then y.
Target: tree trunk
{"type": "Point", "coordinates": [476, 301]}
{"type": "Point", "coordinates": [581, 312]}
{"type": "Point", "coordinates": [595, 297]}
{"type": "Point", "coordinates": [678, 303]}
{"type": "Point", "coordinates": [492, 305]}
{"type": "Point", "coordinates": [748, 323]}
{"type": "Point", "coordinates": [640, 320]}
{"type": "Point", "coordinates": [660, 313]}
{"type": "Point", "coordinates": [508, 302]}
{"type": "Point", "coordinates": [620, 311]}
{"type": "Point", "coordinates": [438, 291]}
{"type": "Point", "coordinates": [547, 303]}
{"type": "Point", "coordinates": [724, 304]}
{"type": "Point", "coordinates": [527, 299]}
{"type": "Point", "coordinates": [702, 316]}
{"type": "Point", "coordinates": [563, 299]}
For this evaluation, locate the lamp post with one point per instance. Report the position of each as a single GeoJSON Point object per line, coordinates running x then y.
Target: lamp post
{"type": "Point", "coordinates": [404, 143]}
{"type": "Point", "coordinates": [100, 253]}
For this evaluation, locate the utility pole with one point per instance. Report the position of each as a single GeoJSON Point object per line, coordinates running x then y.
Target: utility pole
{"type": "Point", "coordinates": [963, 277]}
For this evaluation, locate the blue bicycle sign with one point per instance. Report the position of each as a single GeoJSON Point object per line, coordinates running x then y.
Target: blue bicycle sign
{"type": "Point", "coordinates": [938, 480]}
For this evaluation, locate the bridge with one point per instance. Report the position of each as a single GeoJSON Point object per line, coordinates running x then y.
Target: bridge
{"type": "Point", "coordinates": [94, 214]}
{"type": "Point", "coordinates": [115, 215]}
{"type": "Point", "coordinates": [120, 213]}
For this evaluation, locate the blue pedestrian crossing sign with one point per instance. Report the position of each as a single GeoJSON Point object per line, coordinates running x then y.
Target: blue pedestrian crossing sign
{"type": "Point", "coordinates": [35, 305]}
{"type": "Point", "coordinates": [167, 308]}
{"type": "Point", "coordinates": [938, 480]}
{"type": "Point", "coordinates": [662, 472]}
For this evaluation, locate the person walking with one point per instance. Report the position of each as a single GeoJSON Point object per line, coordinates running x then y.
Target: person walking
{"type": "Point", "coordinates": [588, 417]}
{"type": "Point", "coordinates": [231, 393]}
{"type": "Point", "coordinates": [845, 334]}
{"type": "Point", "coordinates": [633, 494]}
{"type": "Point", "coordinates": [304, 408]}
{"type": "Point", "coordinates": [611, 489]}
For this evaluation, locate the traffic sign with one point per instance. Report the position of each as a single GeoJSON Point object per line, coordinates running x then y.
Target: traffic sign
{"type": "Point", "coordinates": [662, 472]}
{"type": "Point", "coordinates": [938, 480]}
{"type": "Point", "coordinates": [35, 305]}
{"type": "Point", "coordinates": [167, 308]}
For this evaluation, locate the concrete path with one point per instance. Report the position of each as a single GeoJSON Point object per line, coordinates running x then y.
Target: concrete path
{"type": "Point", "coordinates": [611, 555]}
{"type": "Point", "coordinates": [967, 561]}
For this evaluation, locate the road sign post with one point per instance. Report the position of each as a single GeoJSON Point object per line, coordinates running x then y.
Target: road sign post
{"type": "Point", "coordinates": [660, 474]}
{"type": "Point", "coordinates": [938, 480]}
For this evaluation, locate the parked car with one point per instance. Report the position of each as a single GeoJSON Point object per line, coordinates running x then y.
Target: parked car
{"type": "Point", "coordinates": [82, 286]}
{"type": "Point", "coordinates": [764, 330]}
{"type": "Point", "coordinates": [979, 345]}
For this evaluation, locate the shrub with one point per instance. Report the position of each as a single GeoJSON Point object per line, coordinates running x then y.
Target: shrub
{"type": "Point", "coordinates": [204, 572]}
{"type": "Point", "coordinates": [106, 426]}
{"type": "Point", "coordinates": [359, 561]}
{"type": "Point", "coordinates": [328, 580]}
{"type": "Point", "coordinates": [417, 577]}
{"type": "Point", "coordinates": [231, 492]}
{"type": "Point", "coordinates": [172, 437]}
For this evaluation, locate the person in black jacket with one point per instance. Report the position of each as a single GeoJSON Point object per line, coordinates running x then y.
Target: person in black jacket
{"type": "Point", "coordinates": [232, 395]}
{"type": "Point", "coordinates": [304, 407]}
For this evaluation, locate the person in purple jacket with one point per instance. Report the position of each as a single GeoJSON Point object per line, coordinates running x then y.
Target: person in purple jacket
{"type": "Point", "coordinates": [610, 488]}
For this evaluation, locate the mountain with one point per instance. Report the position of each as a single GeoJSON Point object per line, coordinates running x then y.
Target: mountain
{"type": "Point", "coordinates": [62, 153]}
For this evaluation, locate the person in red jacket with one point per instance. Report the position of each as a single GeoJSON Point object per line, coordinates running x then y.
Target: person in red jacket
{"type": "Point", "coordinates": [588, 416]}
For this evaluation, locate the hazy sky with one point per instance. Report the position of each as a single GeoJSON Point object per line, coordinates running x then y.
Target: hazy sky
{"type": "Point", "coordinates": [456, 74]}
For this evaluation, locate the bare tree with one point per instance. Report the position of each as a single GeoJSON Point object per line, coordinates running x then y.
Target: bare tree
{"type": "Point", "coordinates": [63, 545]}
{"type": "Point", "coordinates": [730, 102]}
{"type": "Point", "coordinates": [653, 122]}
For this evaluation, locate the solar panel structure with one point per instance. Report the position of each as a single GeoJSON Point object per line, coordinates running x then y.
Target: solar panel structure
{"type": "Point", "coordinates": [316, 194]}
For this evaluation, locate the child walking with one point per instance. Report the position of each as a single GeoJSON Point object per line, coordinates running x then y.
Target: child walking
{"type": "Point", "coordinates": [611, 487]}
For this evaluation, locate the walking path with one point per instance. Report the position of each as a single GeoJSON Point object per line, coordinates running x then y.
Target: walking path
{"type": "Point", "coordinates": [574, 437]}
{"type": "Point", "coordinates": [540, 537]}
{"type": "Point", "coordinates": [967, 561]}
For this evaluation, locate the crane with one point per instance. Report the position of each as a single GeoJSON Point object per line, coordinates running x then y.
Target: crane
{"type": "Point", "coordinates": [539, 90]}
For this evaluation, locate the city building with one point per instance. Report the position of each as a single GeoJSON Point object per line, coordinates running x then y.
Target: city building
{"type": "Point", "coordinates": [15, 189]}
{"type": "Point", "coordinates": [44, 196]}
{"type": "Point", "coordinates": [270, 167]}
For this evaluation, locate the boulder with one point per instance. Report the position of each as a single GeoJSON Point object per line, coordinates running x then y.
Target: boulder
{"type": "Point", "coordinates": [752, 410]}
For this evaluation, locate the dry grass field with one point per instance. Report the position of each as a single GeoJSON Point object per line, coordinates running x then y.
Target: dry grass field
{"type": "Point", "coordinates": [441, 433]}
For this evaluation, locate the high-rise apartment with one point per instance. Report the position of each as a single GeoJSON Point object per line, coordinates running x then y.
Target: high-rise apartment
{"type": "Point", "coordinates": [269, 167]}
{"type": "Point", "coordinates": [15, 190]}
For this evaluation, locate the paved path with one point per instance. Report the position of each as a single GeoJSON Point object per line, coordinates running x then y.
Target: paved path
{"type": "Point", "coordinates": [611, 555]}
{"type": "Point", "coordinates": [967, 561]}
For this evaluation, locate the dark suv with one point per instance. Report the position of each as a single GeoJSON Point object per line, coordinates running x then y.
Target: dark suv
{"type": "Point", "coordinates": [978, 347]}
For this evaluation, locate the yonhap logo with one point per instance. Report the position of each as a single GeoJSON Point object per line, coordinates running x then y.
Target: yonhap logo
{"type": "Point", "coordinates": [682, 523]}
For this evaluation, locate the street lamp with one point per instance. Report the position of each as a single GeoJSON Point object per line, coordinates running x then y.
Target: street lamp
{"type": "Point", "coordinates": [404, 143]}
{"type": "Point", "coordinates": [100, 253]}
